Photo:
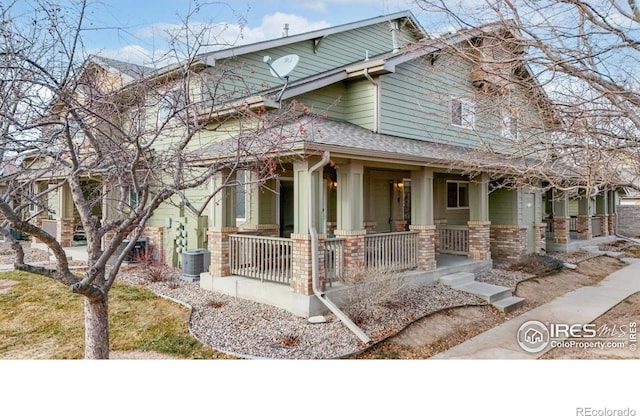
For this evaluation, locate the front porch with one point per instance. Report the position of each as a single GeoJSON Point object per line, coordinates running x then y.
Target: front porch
{"type": "Point", "coordinates": [368, 215]}
{"type": "Point", "coordinates": [574, 223]}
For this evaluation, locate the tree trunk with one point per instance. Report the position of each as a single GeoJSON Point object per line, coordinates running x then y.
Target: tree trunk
{"type": "Point", "coordinates": [96, 329]}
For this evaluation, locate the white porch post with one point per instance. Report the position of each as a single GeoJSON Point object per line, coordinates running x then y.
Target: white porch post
{"type": "Point", "coordinates": [223, 221]}
{"type": "Point", "coordinates": [301, 279]}
{"type": "Point", "coordinates": [422, 217]}
{"type": "Point", "coordinates": [350, 213]}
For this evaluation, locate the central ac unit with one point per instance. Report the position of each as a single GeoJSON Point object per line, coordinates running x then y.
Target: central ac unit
{"type": "Point", "coordinates": [194, 262]}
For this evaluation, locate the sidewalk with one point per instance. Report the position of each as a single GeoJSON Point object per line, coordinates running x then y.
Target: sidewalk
{"type": "Point", "coordinates": [73, 253]}
{"type": "Point", "coordinates": [581, 306]}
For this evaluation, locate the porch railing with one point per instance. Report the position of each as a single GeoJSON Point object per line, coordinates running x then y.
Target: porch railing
{"type": "Point", "coordinates": [392, 251]}
{"type": "Point", "coordinates": [453, 239]}
{"type": "Point", "coordinates": [596, 226]}
{"type": "Point", "coordinates": [333, 259]}
{"type": "Point", "coordinates": [264, 258]}
{"type": "Point", "coordinates": [573, 224]}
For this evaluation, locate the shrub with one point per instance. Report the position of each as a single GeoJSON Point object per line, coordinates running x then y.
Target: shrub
{"type": "Point", "coordinates": [154, 269]}
{"type": "Point", "coordinates": [536, 264]}
{"type": "Point", "coordinates": [370, 293]}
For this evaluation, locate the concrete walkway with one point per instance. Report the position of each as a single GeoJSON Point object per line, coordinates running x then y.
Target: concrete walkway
{"type": "Point", "coordinates": [581, 306]}
{"type": "Point", "coordinates": [73, 253]}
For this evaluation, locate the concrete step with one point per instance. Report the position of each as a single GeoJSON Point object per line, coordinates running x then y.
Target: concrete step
{"type": "Point", "coordinates": [488, 292]}
{"type": "Point", "coordinates": [509, 304]}
{"type": "Point", "coordinates": [457, 279]}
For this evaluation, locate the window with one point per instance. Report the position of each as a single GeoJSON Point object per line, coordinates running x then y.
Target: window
{"type": "Point", "coordinates": [32, 197]}
{"type": "Point", "coordinates": [457, 194]}
{"type": "Point", "coordinates": [510, 123]}
{"type": "Point", "coordinates": [241, 195]}
{"type": "Point", "coordinates": [171, 102]}
{"type": "Point", "coordinates": [462, 113]}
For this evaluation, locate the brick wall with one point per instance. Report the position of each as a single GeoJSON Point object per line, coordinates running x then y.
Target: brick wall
{"type": "Point", "coordinates": [583, 225]}
{"type": "Point", "coordinates": [426, 246]}
{"type": "Point", "coordinates": [156, 241]}
{"type": "Point", "coordinates": [219, 248]}
{"type": "Point", "coordinates": [353, 248]}
{"type": "Point", "coordinates": [508, 242]}
{"type": "Point", "coordinates": [301, 266]}
{"type": "Point", "coordinates": [479, 240]}
{"type": "Point", "coordinates": [628, 220]}
{"type": "Point", "coordinates": [265, 230]}
{"type": "Point", "coordinates": [561, 233]}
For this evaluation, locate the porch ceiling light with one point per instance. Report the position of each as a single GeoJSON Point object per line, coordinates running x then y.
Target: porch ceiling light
{"type": "Point", "coordinates": [400, 184]}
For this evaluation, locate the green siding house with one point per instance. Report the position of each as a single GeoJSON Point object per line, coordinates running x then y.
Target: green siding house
{"type": "Point", "coordinates": [378, 179]}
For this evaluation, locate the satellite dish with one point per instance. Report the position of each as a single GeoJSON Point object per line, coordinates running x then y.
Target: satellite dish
{"type": "Point", "coordinates": [282, 67]}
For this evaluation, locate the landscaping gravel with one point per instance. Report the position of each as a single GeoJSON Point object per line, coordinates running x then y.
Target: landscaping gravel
{"type": "Point", "coordinates": [31, 255]}
{"type": "Point", "coordinates": [253, 330]}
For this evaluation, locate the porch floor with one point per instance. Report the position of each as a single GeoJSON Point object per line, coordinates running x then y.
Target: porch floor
{"type": "Point", "coordinates": [575, 244]}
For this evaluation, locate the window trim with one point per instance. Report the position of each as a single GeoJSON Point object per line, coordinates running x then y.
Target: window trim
{"type": "Point", "coordinates": [457, 182]}
{"type": "Point", "coordinates": [244, 184]}
{"type": "Point", "coordinates": [467, 112]}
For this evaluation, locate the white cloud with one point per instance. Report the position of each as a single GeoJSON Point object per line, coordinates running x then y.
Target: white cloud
{"type": "Point", "coordinates": [211, 37]}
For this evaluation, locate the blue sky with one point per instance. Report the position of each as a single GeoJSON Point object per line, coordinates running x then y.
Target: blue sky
{"type": "Point", "coordinates": [142, 24]}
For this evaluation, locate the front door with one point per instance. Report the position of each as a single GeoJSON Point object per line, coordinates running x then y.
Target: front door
{"type": "Point", "coordinates": [286, 208]}
{"type": "Point", "coordinates": [382, 191]}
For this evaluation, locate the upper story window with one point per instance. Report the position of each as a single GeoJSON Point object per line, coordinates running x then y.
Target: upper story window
{"type": "Point", "coordinates": [463, 112]}
{"type": "Point", "coordinates": [510, 121]}
{"type": "Point", "coordinates": [171, 102]}
{"type": "Point", "coordinates": [457, 194]}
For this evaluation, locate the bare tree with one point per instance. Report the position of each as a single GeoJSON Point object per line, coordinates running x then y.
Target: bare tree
{"type": "Point", "coordinates": [583, 56]}
{"type": "Point", "coordinates": [108, 130]}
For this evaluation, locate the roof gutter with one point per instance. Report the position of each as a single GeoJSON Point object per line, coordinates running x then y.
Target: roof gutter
{"type": "Point", "coordinates": [314, 258]}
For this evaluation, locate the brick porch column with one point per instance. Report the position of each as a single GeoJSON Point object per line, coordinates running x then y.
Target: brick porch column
{"type": "Point", "coordinates": [301, 266]}
{"type": "Point", "coordinates": [508, 241]}
{"type": "Point", "coordinates": [426, 246]}
{"type": "Point", "coordinates": [479, 240]}
{"type": "Point", "coordinates": [219, 248]}
{"type": "Point", "coordinates": [265, 230]}
{"type": "Point", "coordinates": [156, 240]}
{"type": "Point", "coordinates": [353, 248]}
{"type": "Point", "coordinates": [604, 223]}
{"type": "Point", "coordinates": [64, 231]}
{"type": "Point", "coordinates": [438, 224]}
{"type": "Point", "coordinates": [612, 224]}
{"type": "Point", "coordinates": [583, 224]}
{"type": "Point", "coordinates": [561, 234]}
{"type": "Point", "coordinates": [541, 237]}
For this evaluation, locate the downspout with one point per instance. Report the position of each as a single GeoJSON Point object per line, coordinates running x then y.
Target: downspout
{"type": "Point", "coordinates": [314, 258]}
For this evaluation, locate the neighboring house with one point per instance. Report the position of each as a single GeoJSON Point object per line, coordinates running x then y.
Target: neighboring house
{"type": "Point", "coordinates": [379, 176]}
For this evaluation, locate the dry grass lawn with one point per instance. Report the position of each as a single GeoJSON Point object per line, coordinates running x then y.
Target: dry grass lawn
{"type": "Point", "coordinates": [41, 319]}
